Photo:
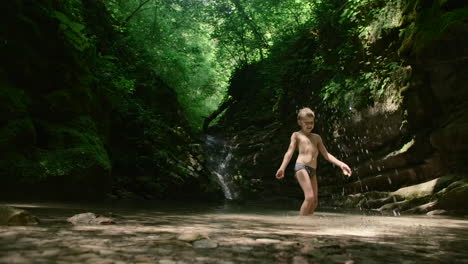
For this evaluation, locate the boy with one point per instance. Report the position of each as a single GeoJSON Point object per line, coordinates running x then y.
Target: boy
{"type": "Point", "coordinates": [309, 145]}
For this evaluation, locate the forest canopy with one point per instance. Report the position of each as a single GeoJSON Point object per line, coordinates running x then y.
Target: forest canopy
{"type": "Point", "coordinates": [195, 45]}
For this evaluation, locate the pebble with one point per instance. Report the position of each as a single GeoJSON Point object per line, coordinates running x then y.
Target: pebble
{"type": "Point", "coordinates": [167, 261]}
{"type": "Point", "coordinates": [205, 243]}
{"type": "Point", "coordinates": [14, 258]}
{"type": "Point", "coordinates": [299, 260]}
{"type": "Point", "coordinates": [437, 212]}
{"type": "Point", "coordinates": [50, 252]}
{"type": "Point", "coordinates": [190, 237]}
{"type": "Point", "coordinates": [241, 248]}
{"type": "Point", "coordinates": [267, 240]}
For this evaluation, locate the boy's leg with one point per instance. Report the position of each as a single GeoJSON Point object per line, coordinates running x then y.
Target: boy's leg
{"type": "Point", "coordinates": [309, 195]}
{"type": "Point", "coordinates": [313, 181]}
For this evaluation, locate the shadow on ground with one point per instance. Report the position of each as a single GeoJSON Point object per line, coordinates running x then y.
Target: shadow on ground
{"type": "Point", "coordinates": [152, 236]}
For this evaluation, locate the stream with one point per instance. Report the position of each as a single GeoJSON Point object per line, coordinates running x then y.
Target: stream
{"type": "Point", "coordinates": [150, 232]}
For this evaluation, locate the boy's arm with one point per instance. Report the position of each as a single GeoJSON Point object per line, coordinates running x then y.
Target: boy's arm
{"type": "Point", "coordinates": [287, 157]}
{"type": "Point", "coordinates": [323, 150]}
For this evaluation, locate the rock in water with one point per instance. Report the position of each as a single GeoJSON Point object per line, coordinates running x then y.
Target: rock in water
{"type": "Point", "coordinates": [90, 219]}
{"type": "Point", "coordinates": [437, 212]}
{"type": "Point", "coordinates": [205, 243]}
{"type": "Point", "coordinates": [191, 236]}
{"type": "Point", "coordinates": [13, 216]}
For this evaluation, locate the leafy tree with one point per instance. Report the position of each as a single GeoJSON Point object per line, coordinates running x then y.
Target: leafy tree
{"type": "Point", "coordinates": [195, 45]}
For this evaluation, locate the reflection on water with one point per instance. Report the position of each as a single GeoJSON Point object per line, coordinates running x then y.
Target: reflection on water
{"type": "Point", "coordinates": [249, 233]}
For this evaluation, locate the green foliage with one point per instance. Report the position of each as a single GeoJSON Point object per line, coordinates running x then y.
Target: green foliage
{"type": "Point", "coordinates": [190, 65]}
{"type": "Point", "coordinates": [246, 30]}
{"type": "Point", "coordinates": [124, 85]}
{"type": "Point", "coordinates": [359, 77]}
{"type": "Point", "coordinates": [72, 31]}
{"type": "Point", "coordinates": [74, 150]}
{"type": "Point", "coordinates": [67, 162]}
{"type": "Point", "coordinates": [433, 22]}
{"type": "Point", "coordinates": [155, 151]}
{"type": "Point", "coordinates": [14, 102]}
{"type": "Point", "coordinates": [113, 75]}
{"type": "Point", "coordinates": [195, 45]}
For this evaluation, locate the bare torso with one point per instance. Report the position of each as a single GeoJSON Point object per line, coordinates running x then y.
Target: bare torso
{"type": "Point", "coordinates": [307, 145]}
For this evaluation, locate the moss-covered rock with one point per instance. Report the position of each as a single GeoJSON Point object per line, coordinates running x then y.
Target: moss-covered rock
{"type": "Point", "coordinates": [423, 189]}
{"type": "Point", "coordinates": [14, 216]}
{"type": "Point", "coordinates": [452, 141]}
{"type": "Point", "coordinates": [453, 197]}
{"type": "Point", "coordinates": [429, 23]}
{"type": "Point", "coordinates": [403, 205]}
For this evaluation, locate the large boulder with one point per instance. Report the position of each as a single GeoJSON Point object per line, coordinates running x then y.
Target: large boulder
{"type": "Point", "coordinates": [14, 216]}
{"type": "Point", "coordinates": [90, 219]}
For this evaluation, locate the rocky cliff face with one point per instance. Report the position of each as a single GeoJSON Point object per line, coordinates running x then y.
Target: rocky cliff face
{"type": "Point", "coordinates": [414, 132]}
{"type": "Point", "coordinates": [82, 116]}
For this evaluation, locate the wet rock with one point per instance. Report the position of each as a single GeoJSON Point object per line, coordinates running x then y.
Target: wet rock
{"type": "Point", "coordinates": [396, 159]}
{"type": "Point", "coordinates": [437, 212]}
{"type": "Point", "coordinates": [170, 244]}
{"type": "Point", "coordinates": [361, 199]}
{"type": "Point", "coordinates": [241, 249]}
{"type": "Point", "coordinates": [391, 180]}
{"type": "Point", "coordinates": [450, 197]}
{"type": "Point", "coordinates": [267, 241]}
{"type": "Point", "coordinates": [452, 142]}
{"type": "Point", "coordinates": [51, 252]}
{"type": "Point", "coordinates": [422, 189]}
{"type": "Point", "coordinates": [166, 261]}
{"type": "Point", "coordinates": [445, 201]}
{"type": "Point", "coordinates": [376, 203]}
{"type": "Point", "coordinates": [205, 243]}
{"type": "Point", "coordinates": [341, 258]}
{"type": "Point", "coordinates": [422, 208]}
{"type": "Point", "coordinates": [14, 258]}
{"type": "Point", "coordinates": [352, 200]}
{"type": "Point", "coordinates": [300, 260]}
{"type": "Point", "coordinates": [191, 236]}
{"type": "Point", "coordinates": [163, 251]}
{"type": "Point", "coordinates": [405, 205]}
{"type": "Point", "coordinates": [90, 219]}
{"type": "Point", "coordinates": [13, 216]}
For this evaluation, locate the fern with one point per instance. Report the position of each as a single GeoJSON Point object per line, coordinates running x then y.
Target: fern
{"type": "Point", "coordinates": [72, 31]}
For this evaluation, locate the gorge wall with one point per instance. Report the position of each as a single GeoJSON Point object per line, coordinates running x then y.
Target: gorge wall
{"type": "Point", "coordinates": [408, 128]}
{"type": "Point", "coordinates": [83, 116]}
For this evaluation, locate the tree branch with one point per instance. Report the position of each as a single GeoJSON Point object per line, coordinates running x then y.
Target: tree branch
{"type": "Point", "coordinates": [142, 3]}
{"type": "Point", "coordinates": [221, 108]}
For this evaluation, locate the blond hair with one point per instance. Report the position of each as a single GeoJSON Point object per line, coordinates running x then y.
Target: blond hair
{"type": "Point", "coordinates": [305, 112]}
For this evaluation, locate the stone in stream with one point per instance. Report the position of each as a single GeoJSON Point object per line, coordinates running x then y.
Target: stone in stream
{"type": "Point", "coordinates": [14, 216]}
{"type": "Point", "coordinates": [205, 243]}
{"type": "Point", "coordinates": [437, 212]}
{"type": "Point", "coordinates": [90, 219]}
{"type": "Point", "coordinates": [191, 236]}
{"type": "Point", "coordinates": [241, 249]}
{"type": "Point", "coordinates": [300, 260]}
{"type": "Point", "coordinates": [267, 240]}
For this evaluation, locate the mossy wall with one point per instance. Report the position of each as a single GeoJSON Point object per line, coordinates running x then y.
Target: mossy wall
{"type": "Point", "coordinates": [378, 73]}
{"type": "Point", "coordinates": [82, 113]}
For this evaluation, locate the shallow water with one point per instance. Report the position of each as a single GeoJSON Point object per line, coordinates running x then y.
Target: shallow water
{"type": "Point", "coordinates": [249, 233]}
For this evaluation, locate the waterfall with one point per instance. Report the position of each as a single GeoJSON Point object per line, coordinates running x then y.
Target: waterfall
{"type": "Point", "coordinates": [219, 156]}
